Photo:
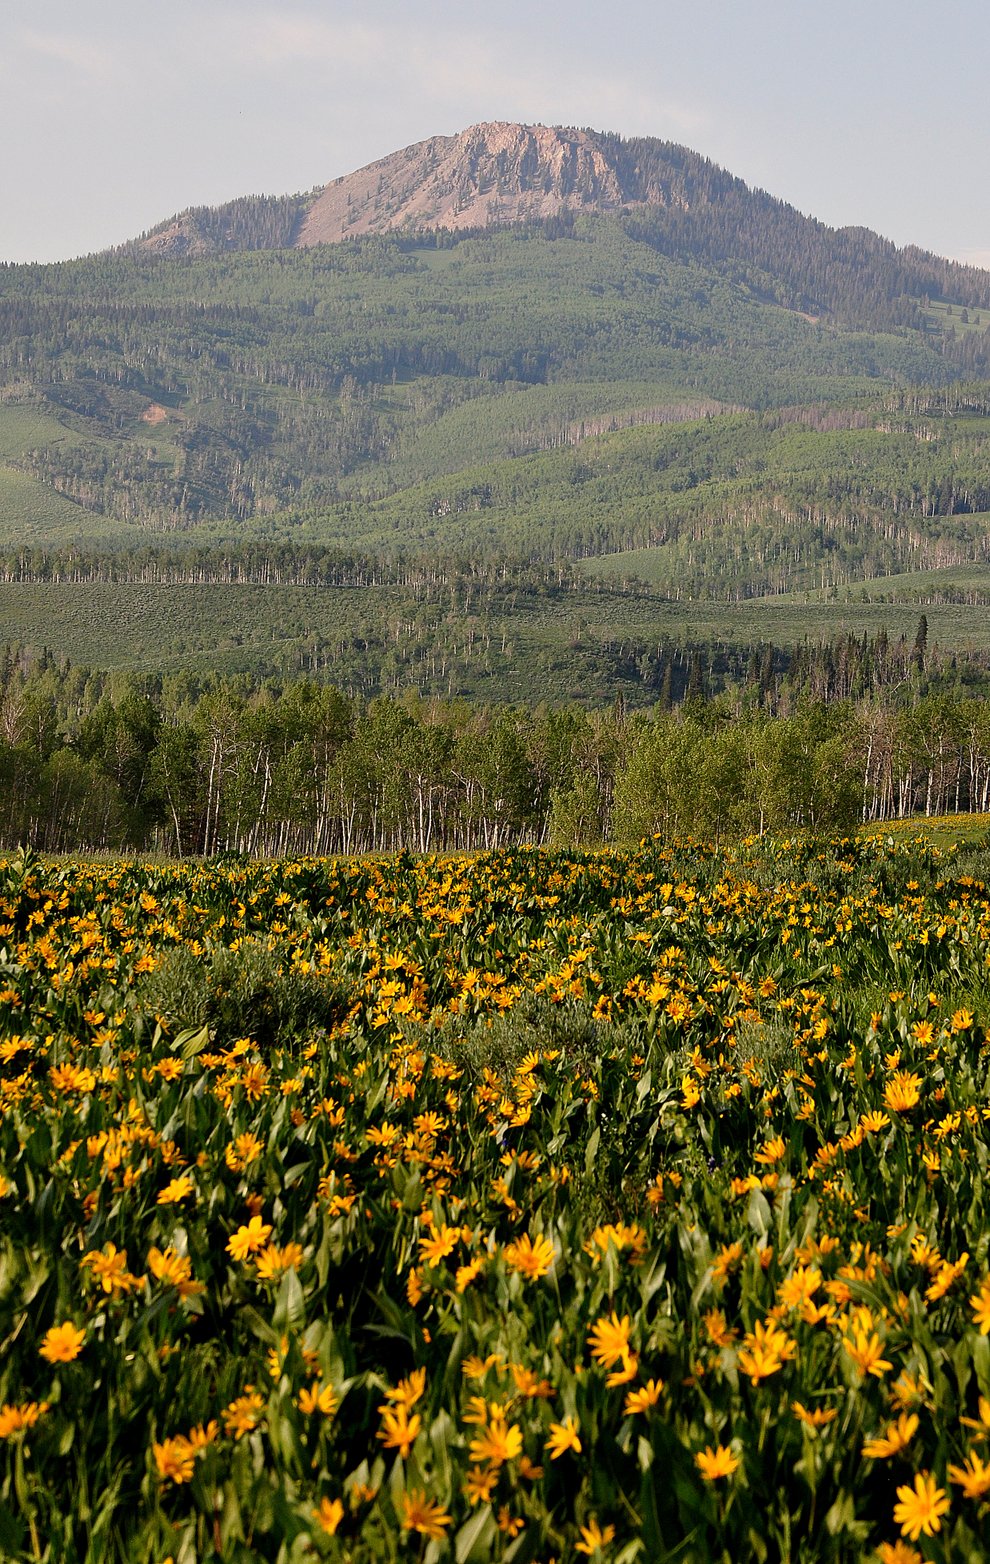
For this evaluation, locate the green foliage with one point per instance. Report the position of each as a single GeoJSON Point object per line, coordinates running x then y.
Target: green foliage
{"type": "Point", "coordinates": [252, 992]}
{"type": "Point", "coordinates": [732, 742]}
{"type": "Point", "coordinates": [576, 815]}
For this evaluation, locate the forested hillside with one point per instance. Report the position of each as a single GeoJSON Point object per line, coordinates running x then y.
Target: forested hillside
{"type": "Point", "coordinates": [730, 503]}
{"type": "Point", "coordinates": [694, 394]}
{"type": "Point", "coordinates": [494, 175]}
{"type": "Point", "coordinates": [221, 390]}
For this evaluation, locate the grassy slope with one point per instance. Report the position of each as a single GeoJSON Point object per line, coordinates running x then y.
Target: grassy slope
{"type": "Point", "coordinates": [32, 512]}
{"type": "Point", "coordinates": [955, 581]}
{"type": "Point", "coordinates": [508, 421]}
{"type": "Point", "coordinates": [573, 646]}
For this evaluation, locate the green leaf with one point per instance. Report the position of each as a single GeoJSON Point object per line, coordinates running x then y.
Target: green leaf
{"type": "Point", "coordinates": [191, 1042]}
{"type": "Point", "coordinates": [474, 1540]}
{"type": "Point", "coordinates": [758, 1213]}
{"type": "Point", "coordinates": [290, 1304]}
{"type": "Point", "coordinates": [591, 1150]}
{"type": "Point", "coordinates": [441, 1434]}
{"type": "Point", "coordinates": [377, 1094]}
{"type": "Point", "coordinates": [523, 1550]}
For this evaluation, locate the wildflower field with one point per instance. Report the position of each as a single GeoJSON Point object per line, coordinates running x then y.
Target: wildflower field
{"type": "Point", "coordinates": [535, 1206]}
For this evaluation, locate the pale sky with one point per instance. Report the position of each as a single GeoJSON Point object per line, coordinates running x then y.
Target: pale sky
{"type": "Point", "coordinates": [114, 114]}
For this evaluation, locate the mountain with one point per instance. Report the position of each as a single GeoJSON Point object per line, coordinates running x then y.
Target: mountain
{"type": "Point", "coordinates": [497, 174]}
{"type": "Point", "coordinates": [488, 174]}
{"type": "Point", "coordinates": [522, 353]}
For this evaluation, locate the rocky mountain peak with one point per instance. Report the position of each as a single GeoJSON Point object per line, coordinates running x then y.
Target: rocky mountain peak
{"type": "Point", "coordinates": [496, 172]}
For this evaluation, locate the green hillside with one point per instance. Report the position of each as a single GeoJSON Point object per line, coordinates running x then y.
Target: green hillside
{"type": "Point", "coordinates": [31, 512]}
{"type": "Point", "coordinates": [285, 379]}
{"type": "Point", "coordinates": [739, 502]}
{"type": "Point", "coordinates": [614, 425]}
{"type": "Point", "coordinates": [492, 645]}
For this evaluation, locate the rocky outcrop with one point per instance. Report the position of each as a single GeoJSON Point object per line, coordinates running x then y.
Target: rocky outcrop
{"type": "Point", "coordinates": [491, 173]}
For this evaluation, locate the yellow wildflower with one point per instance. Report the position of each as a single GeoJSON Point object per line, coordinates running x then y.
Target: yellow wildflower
{"type": "Point", "coordinates": [644, 1398]}
{"type": "Point", "coordinates": [594, 1538]}
{"type": "Point", "coordinates": [249, 1239]}
{"type": "Point", "coordinates": [62, 1343]}
{"type": "Point", "coordinates": [532, 1260]}
{"type": "Point", "coordinates": [417, 1513]}
{"type": "Point", "coordinates": [903, 1091]}
{"type": "Point", "coordinates": [920, 1508]}
{"type": "Point", "coordinates": [896, 1439]}
{"type": "Point", "coordinates": [329, 1514]}
{"type": "Point", "coordinates": [498, 1443]}
{"type": "Point", "coordinates": [175, 1460]}
{"type": "Point", "coordinates": [609, 1339]}
{"type": "Point", "coordinates": [973, 1477]}
{"type": "Point", "coordinates": [563, 1437]}
{"type": "Point", "coordinates": [713, 1464]}
{"type": "Point", "coordinates": [317, 1398]}
{"type": "Point", "coordinates": [399, 1430]}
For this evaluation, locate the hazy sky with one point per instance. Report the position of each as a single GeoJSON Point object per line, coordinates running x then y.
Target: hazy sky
{"type": "Point", "coordinates": [116, 113]}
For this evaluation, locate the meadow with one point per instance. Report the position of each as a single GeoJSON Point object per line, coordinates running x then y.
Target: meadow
{"type": "Point", "coordinates": [526, 1206]}
{"type": "Point", "coordinates": [32, 513]}
{"type": "Point", "coordinates": [485, 644]}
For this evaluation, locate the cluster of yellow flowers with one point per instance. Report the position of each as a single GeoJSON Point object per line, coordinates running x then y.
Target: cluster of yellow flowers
{"type": "Point", "coordinates": [530, 1196]}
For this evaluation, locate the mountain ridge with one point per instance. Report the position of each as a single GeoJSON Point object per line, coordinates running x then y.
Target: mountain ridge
{"type": "Point", "coordinates": [500, 174]}
{"type": "Point", "coordinates": [491, 173]}
{"type": "Point", "coordinates": [494, 172]}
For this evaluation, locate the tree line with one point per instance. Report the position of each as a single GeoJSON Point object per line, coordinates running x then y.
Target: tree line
{"type": "Point", "coordinates": [91, 761]}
